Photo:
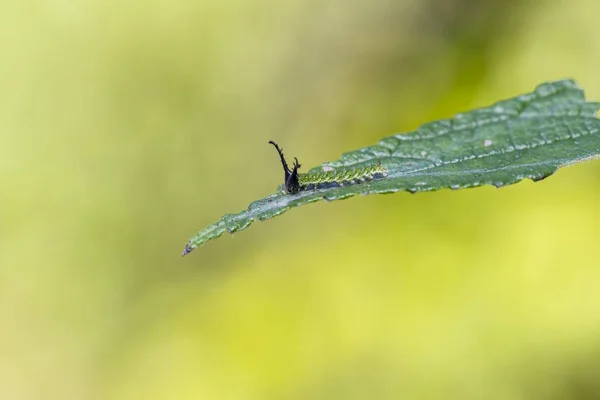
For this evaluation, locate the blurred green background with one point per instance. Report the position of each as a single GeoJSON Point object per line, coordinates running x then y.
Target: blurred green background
{"type": "Point", "coordinates": [126, 126]}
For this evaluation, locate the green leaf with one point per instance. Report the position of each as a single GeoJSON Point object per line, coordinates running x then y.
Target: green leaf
{"type": "Point", "coordinates": [528, 136]}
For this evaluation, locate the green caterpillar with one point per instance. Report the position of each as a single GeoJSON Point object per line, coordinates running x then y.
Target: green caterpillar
{"type": "Point", "coordinates": [295, 182]}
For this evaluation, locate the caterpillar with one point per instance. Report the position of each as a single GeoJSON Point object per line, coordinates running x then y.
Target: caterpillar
{"type": "Point", "coordinates": [295, 182]}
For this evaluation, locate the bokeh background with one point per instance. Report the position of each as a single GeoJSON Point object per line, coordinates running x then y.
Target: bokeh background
{"type": "Point", "coordinates": [126, 126]}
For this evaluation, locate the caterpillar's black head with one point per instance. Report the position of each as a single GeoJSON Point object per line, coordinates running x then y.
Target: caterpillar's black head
{"type": "Point", "coordinates": [291, 183]}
